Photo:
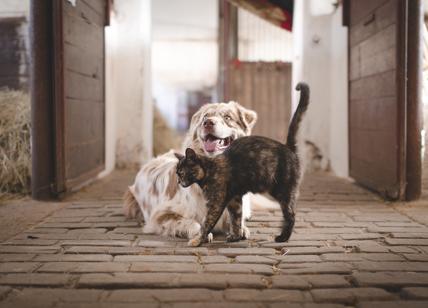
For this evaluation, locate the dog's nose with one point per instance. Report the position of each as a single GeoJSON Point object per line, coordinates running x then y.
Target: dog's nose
{"type": "Point", "coordinates": [208, 123]}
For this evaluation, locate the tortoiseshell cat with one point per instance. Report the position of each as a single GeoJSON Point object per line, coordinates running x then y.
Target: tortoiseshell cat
{"type": "Point", "coordinates": [251, 164]}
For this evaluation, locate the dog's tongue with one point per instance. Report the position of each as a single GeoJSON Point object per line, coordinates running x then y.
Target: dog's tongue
{"type": "Point", "coordinates": [210, 145]}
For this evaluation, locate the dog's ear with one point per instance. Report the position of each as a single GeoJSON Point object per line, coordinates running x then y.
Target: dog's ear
{"type": "Point", "coordinates": [178, 155]}
{"type": "Point", "coordinates": [247, 116]}
{"type": "Point", "coordinates": [190, 154]}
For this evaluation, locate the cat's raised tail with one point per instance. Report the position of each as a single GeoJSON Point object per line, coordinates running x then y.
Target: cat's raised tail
{"type": "Point", "coordinates": [297, 117]}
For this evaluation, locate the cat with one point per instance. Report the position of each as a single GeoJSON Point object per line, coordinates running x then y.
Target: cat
{"type": "Point", "coordinates": [251, 164]}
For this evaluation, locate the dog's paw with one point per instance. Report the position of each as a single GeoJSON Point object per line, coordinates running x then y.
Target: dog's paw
{"type": "Point", "coordinates": [195, 242]}
{"type": "Point", "coordinates": [210, 237]}
{"type": "Point", "coordinates": [245, 233]}
{"type": "Point", "coordinates": [194, 230]}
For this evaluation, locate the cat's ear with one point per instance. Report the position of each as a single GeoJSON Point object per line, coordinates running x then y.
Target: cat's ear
{"type": "Point", "coordinates": [178, 155]}
{"type": "Point", "coordinates": [190, 153]}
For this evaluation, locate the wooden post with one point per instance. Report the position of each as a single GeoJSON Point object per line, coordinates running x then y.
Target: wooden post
{"type": "Point", "coordinates": [41, 88]}
{"type": "Point", "coordinates": [414, 100]}
{"type": "Point", "coordinates": [228, 46]}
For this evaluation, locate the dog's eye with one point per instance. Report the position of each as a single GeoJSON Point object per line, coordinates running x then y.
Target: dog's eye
{"type": "Point", "coordinates": [227, 118]}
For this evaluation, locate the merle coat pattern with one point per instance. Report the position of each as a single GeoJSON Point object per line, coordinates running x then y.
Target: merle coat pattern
{"type": "Point", "coordinates": [251, 164]}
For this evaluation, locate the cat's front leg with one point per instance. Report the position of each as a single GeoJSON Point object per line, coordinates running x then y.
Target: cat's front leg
{"type": "Point", "coordinates": [215, 209]}
{"type": "Point", "coordinates": [198, 240]}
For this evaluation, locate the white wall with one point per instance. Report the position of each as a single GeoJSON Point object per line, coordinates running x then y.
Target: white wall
{"type": "Point", "coordinates": [14, 8]}
{"type": "Point", "coordinates": [185, 51]}
{"type": "Point", "coordinates": [129, 114]}
{"type": "Point", "coordinates": [339, 139]}
{"type": "Point", "coordinates": [320, 59]}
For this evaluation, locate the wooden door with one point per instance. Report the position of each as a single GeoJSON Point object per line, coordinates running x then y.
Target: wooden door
{"type": "Point", "coordinates": [377, 95]}
{"type": "Point", "coordinates": [266, 88]}
{"type": "Point", "coordinates": [79, 91]}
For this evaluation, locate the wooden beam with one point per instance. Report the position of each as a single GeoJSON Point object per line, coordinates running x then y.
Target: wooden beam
{"type": "Point", "coordinates": [228, 46]}
{"type": "Point", "coordinates": [41, 88]}
{"type": "Point", "coordinates": [414, 100]}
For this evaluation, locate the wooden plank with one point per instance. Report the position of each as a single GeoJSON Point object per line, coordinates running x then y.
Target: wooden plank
{"type": "Point", "coordinates": [83, 87]}
{"type": "Point", "coordinates": [10, 82]}
{"type": "Point", "coordinates": [376, 86]}
{"type": "Point", "coordinates": [379, 63]}
{"type": "Point", "coordinates": [374, 148]}
{"type": "Point", "coordinates": [9, 69]}
{"type": "Point", "coordinates": [263, 100]}
{"type": "Point", "coordinates": [86, 12]}
{"type": "Point", "coordinates": [84, 61]}
{"type": "Point", "coordinates": [379, 42]}
{"type": "Point", "coordinates": [374, 114]}
{"type": "Point", "coordinates": [84, 158]}
{"type": "Point", "coordinates": [91, 122]}
{"type": "Point", "coordinates": [99, 6]}
{"type": "Point", "coordinates": [414, 101]}
{"type": "Point", "coordinates": [266, 88]}
{"type": "Point", "coordinates": [79, 33]}
{"type": "Point", "coordinates": [378, 20]}
{"type": "Point", "coordinates": [361, 8]}
{"type": "Point", "coordinates": [382, 180]}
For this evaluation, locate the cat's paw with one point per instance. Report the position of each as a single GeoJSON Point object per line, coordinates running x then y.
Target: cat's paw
{"type": "Point", "coordinates": [195, 242]}
{"type": "Point", "coordinates": [245, 233]}
{"type": "Point", "coordinates": [233, 238]}
{"type": "Point", "coordinates": [210, 237]}
{"type": "Point", "coordinates": [282, 238]}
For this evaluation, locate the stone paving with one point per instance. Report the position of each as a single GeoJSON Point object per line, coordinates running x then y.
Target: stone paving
{"type": "Point", "coordinates": [349, 249]}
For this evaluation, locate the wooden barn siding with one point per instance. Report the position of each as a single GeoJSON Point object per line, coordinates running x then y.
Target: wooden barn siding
{"type": "Point", "coordinates": [266, 88]}
{"type": "Point", "coordinates": [374, 94]}
{"type": "Point", "coordinates": [83, 39]}
{"type": "Point", "coordinates": [13, 54]}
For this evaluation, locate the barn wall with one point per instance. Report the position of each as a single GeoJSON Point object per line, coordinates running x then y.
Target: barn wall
{"type": "Point", "coordinates": [14, 42]}
{"type": "Point", "coordinates": [129, 119]}
{"type": "Point", "coordinates": [339, 149]}
{"type": "Point", "coordinates": [320, 58]}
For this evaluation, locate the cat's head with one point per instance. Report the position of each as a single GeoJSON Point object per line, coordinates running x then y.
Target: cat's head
{"type": "Point", "coordinates": [189, 168]}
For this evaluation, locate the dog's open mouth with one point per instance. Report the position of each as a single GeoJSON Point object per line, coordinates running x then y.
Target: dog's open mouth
{"type": "Point", "coordinates": [213, 143]}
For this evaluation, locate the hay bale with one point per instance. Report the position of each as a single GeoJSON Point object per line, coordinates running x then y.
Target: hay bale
{"type": "Point", "coordinates": [15, 152]}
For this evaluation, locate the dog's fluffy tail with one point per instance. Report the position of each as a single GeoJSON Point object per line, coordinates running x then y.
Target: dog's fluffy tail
{"type": "Point", "coordinates": [131, 209]}
{"type": "Point", "coordinates": [262, 203]}
{"type": "Point", "coordinates": [297, 117]}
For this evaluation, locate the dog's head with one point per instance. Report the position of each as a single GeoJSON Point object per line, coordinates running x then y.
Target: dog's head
{"type": "Point", "coordinates": [215, 126]}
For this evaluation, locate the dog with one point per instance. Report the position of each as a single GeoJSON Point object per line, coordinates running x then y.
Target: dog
{"type": "Point", "coordinates": [158, 199]}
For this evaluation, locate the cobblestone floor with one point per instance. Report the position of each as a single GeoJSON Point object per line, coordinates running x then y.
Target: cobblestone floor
{"type": "Point", "coordinates": [349, 249]}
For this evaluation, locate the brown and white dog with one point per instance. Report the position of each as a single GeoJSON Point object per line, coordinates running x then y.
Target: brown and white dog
{"type": "Point", "coordinates": [166, 207]}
